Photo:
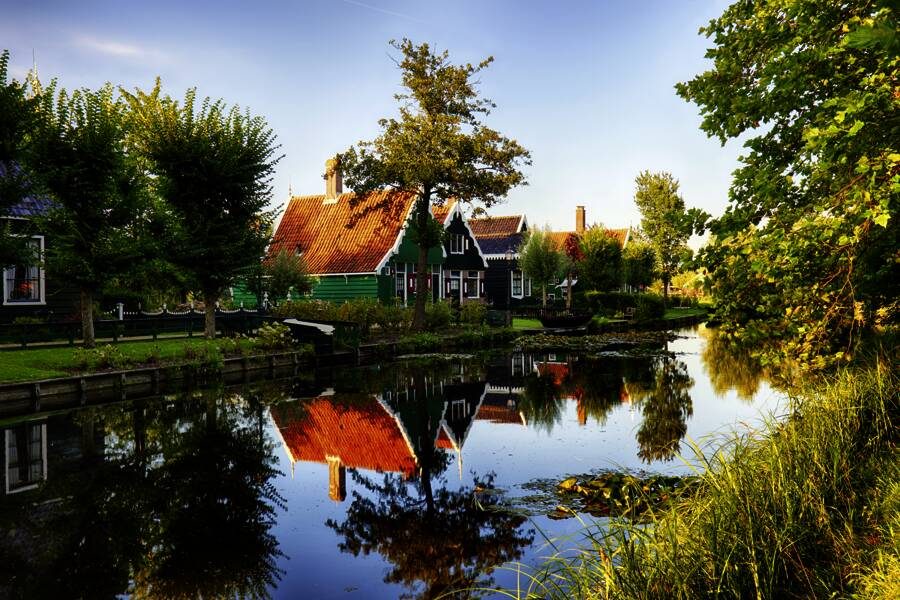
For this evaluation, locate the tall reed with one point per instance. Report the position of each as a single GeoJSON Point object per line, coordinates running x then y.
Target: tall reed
{"type": "Point", "coordinates": [807, 508]}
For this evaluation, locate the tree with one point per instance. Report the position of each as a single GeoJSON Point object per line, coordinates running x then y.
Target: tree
{"type": "Point", "coordinates": [638, 264]}
{"type": "Point", "coordinates": [102, 220]}
{"type": "Point", "coordinates": [214, 165]}
{"type": "Point", "coordinates": [664, 220]}
{"type": "Point", "coordinates": [601, 268]}
{"type": "Point", "coordinates": [437, 148]}
{"type": "Point", "coordinates": [18, 114]}
{"type": "Point", "coordinates": [807, 251]}
{"type": "Point", "coordinates": [572, 256]}
{"type": "Point", "coordinates": [286, 271]}
{"type": "Point", "coordinates": [540, 260]}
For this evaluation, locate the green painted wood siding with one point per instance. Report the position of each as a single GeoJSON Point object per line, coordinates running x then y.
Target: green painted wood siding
{"type": "Point", "coordinates": [338, 288]}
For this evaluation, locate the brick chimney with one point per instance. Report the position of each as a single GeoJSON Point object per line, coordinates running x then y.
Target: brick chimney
{"type": "Point", "coordinates": [334, 185]}
{"type": "Point", "coordinates": [579, 219]}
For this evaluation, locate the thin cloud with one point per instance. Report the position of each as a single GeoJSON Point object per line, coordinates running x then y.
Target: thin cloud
{"type": "Point", "coordinates": [383, 11]}
{"type": "Point", "coordinates": [114, 48]}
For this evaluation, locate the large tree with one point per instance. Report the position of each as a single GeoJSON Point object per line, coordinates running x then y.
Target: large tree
{"type": "Point", "coordinates": [18, 112]}
{"type": "Point", "coordinates": [541, 260]}
{"type": "Point", "coordinates": [807, 251]}
{"type": "Point", "coordinates": [102, 219]}
{"type": "Point", "coordinates": [214, 165]}
{"type": "Point", "coordinates": [664, 220]}
{"type": "Point", "coordinates": [438, 148]}
{"type": "Point", "coordinates": [601, 268]}
{"type": "Point", "coordinates": [638, 264]}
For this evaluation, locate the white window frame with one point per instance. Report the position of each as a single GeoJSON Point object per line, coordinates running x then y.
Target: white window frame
{"type": "Point", "coordinates": [468, 278]}
{"type": "Point", "coordinates": [457, 245]}
{"type": "Point", "coordinates": [526, 285]}
{"type": "Point", "coordinates": [512, 283]}
{"type": "Point", "coordinates": [32, 486]}
{"type": "Point", "coordinates": [42, 277]}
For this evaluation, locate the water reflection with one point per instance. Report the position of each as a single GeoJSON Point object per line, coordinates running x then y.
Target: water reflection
{"type": "Point", "coordinates": [730, 367]}
{"type": "Point", "coordinates": [163, 500]}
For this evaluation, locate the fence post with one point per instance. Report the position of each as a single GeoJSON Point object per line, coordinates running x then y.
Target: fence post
{"type": "Point", "coordinates": [120, 308]}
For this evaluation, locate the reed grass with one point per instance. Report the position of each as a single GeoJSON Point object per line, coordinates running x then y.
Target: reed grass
{"type": "Point", "coordinates": [806, 508]}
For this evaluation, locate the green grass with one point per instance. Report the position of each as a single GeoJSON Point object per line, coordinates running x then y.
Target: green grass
{"type": "Point", "coordinates": [523, 323]}
{"type": "Point", "coordinates": [676, 312]}
{"type": "Point", "coordinates": [44, 363]}
{"type": "Point", "coordinates": [808, 508]}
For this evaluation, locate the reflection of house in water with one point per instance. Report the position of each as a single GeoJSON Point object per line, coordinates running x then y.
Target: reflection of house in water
{"type": "Point", "coordinates": [24, 456]}
{"type": "Point", "coordinates": [595, 385]}
{"type": "Point", "coordinates": [382, 433]}
{"type": "Point", "coordinates": [506, 384]}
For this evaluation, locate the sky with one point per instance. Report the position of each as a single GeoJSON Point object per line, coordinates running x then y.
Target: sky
{"type": "Point", "coordinates": [586, 86]}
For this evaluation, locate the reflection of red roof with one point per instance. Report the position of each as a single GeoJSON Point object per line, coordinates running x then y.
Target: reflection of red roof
{"type": "Point", "coordinates": [496, 226]}
{"type": "Point", "coordinates": [498, 414]}
{"type": "Point", "coordinates": [318, 229]}
{"type": "Point", "coordinates": [559, 371]}
{"type": "Point", "coordinates": [362, 434]}
{"type": "Point", "coordinates": [443, 440]}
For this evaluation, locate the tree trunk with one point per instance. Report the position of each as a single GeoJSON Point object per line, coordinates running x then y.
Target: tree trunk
{"type": "Point", "coordinates": [87, 318]}
{"type": "Point", "coordinates": [666, 279]}
{"type": "Point", "coordinates": [422, 216]}
{"type": "Point", "coordinates": [209, 310]}
{"type": "Point", "coordinates": [544, 292]}
{"type": "Point", "coordinates": [569, 292]}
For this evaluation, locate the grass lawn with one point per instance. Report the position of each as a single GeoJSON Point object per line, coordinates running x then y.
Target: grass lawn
{"type": "Point", "coordinates": [684, 312]}
{"type": "Point", "coordinates": [44, 363]}
{"type": "Point", "coordinates": [522, 323]}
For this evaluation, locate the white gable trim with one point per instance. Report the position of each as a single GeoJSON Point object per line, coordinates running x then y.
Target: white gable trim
{"type": "Point", "coordinates": [456, 209]}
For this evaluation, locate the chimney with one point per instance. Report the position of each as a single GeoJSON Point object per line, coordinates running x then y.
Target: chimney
{"type": "Point", "coordinates": [579, 219]}
{"type": "Point", "coordinates": [334, 185]}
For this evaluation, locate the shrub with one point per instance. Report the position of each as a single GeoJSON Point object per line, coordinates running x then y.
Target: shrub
{"type": "Point", "coordinates": [362, 311]}
{"type": "Point", "coordinates": [29, 321]}
{"type": "Point", "coordinates": [649, 306]}
{"type": "Point", "coordinates": [318, 310]}
{"type": "Point", "coordinates": [420, 342]}
{"type": "Point", "coordinates": [393, 317]}
{"type": "Point", "coordinates": [437, 315]}
{"type": "Point", "coordinates": [101, 357]}
{"type": "Point", "coordinates": [274, 336]}
{"type": "Point", "coordinates": [473, 313]}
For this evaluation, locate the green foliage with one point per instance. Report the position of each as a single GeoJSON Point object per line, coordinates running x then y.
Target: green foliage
{"type": "Point", "coordinates": [664, 221]}
{"type": "Point", "coordinates": [18, 115]}
{"type": "Point", "coordinates": [438, 147]}
{"type": "Point", "coordinates": [274, 336]}
{"type": "Point", "coordinates": [316, 310]}
{"type": "Point", "coordinates": [437, 315]}
{"type": "Point", "coordinates": [365, 312]}
{"type": "Point", "coordinates": [648, 306]}
{"type": "Point", "coordinates": [638, 264]}
{"type": "Point", "coordinates": [806, 256]}
{"type": "Point", "coordinates": [473, 313]}
{"type": "Point", "coordinates": [213, 166]}
{"type": "Point", "coordinates": [287, 272]}
{"type": "Point", "coordinates": [540, 259]}
{"type": "Point", "coordinates": [102, 357]}
{"type": "Point", "coordinates": [422, 341]}
{"type": "Point", "coordinates": [601, 267]}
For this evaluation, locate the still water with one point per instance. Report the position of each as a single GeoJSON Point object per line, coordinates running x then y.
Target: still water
{"type": "Point", "coordinates": [370, 482]}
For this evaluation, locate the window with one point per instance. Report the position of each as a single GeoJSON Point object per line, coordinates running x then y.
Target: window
{"type": "Point", "coordinates": [26, 457]}
{"type": "Point", "coordinates": [517, 284]}
{"type": "Point", "coordinates": [472, 284]}
{"type": "Point", "coordinates": [457, 243]}
{"type": "Point", "coordinates": [24, 284]}
{"type": "Point", "coordinates": [400, 280]}
{"type": "Point", "coordinates": [527, 286]}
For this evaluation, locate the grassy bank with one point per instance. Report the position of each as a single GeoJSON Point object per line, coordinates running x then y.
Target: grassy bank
{"type": "Point", "coordinates": [809, 508]}
{"type": "Point", "coordinates": [45, 363]}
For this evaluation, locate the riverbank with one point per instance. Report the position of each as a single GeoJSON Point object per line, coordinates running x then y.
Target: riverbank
{"type": "Point", "coordinates": [808, 508]}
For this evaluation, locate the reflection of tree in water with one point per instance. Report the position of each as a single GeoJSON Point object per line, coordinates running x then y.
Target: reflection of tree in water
{"type": "Point", "coordinates": [542, 403]}
{"type": "Point", "coordinates": [438, 540]}
{"type": "Point", "coordinates": [730, 367]}
{"type": "Point", "coordinates": [665, 408]}
{"type": "Point", "coordinates": [451, 547]}
{"type": "Point", "coordinates": [157, 500]}
{"type": "Point", "coordinates": [214, 506]}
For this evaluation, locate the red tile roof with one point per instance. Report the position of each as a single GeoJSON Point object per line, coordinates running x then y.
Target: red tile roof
{"type": "Point", "coordinates": [361, 433]}
{"type": "Point", "coordinates": [498, 414]}
{"type": "Point", "coordinates": [495, 226]}
{"type": "Point", "coordinates": [320, 230]}
{"type": "Point", "coordinates": [441, 212]}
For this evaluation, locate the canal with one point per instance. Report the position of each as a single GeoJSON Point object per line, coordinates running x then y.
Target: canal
{"type": "Point", "coordinates": [413, 478]}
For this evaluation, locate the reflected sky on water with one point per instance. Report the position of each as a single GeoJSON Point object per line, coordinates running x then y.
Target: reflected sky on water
{"type": "Point", "coordinates": [386, 481]}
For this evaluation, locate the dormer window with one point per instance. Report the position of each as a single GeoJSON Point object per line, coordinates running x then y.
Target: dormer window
{"type": "Point", "coordinates": [457, 243]}
{"type": "Point", "coordinates": [298, 251]}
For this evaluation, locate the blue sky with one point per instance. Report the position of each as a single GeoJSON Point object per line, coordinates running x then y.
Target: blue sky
{"type": "Point", "coordinates": [586, 86]}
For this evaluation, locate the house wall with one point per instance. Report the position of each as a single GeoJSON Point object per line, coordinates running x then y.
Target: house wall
{"type": "Point", "coordinates": [339, 288]}
{"type": "Point", "coordinates": [470, 259]}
